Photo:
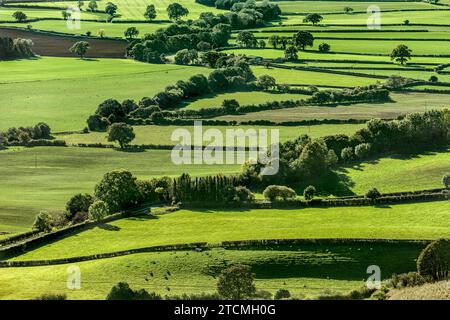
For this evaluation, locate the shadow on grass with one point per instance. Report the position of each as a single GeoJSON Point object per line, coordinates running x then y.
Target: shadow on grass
{"type": "Point", "coordinates": [142, 218]}
{"type": "Point", "coordinates": [187, 102]}
{"type": "Point", "coordinates": [108, 227]}
{"type": "Point", "coordinates": [344, 261]}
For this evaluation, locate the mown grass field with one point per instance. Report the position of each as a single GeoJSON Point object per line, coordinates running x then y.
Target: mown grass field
{"type": "Point", "coordinates": [424, 171]}
{"type": "Point", "coordinates": [305, 270]}
{"type": "Point", "coordinates": [384, 47]}
{"type": "Point", "coordinates": [134, 9]}
{"type": "Point", "coordinates": [44, 178]}
{"type": "Point", "coordinates": [419, 17]}
{"type": "Point", "coordinates": [162, 134]}
{"type": "Point", "coordinates": [402, 103]}
{"type": "Point", "coordinates": [301, 77]}
{"type": "Point", "coordinates": [322, 35]}
{"type": "Point", "coordinates": [32, 13]}
{"type": "Point", "coordinates": [420, 75]}
{"type": "Point", "coordinates": [244, 98]}
{"type": "Point", "coordinates": [109, 29]}
{"type": "Point", "coordinates": [338, 6]}
{"type": "Point", "coordinates": [405, 221]}
{"type": "Point", "coordinates": [308, 55]}
{"type": "Point", "coordinates": [63, 91]}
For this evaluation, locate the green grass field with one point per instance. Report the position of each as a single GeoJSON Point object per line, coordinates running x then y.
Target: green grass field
{"type": "Point", "coordinates": [244, 98]}
{"type": "Point", "coordinates": [134, 9]}
{"type": "Point", "coordinates": [308, 55]}
{"type": "Point", "coordinates": [45, 178]}
{"type": "Point", "coordinates": [306, 270]}
{"type": "Point", "coordinates": [420, 75]}
{"type": "Point", "coordinates": [384, 47]}
{"type": "Point", "coordinates": [394, 174]}
{"type": "Point", "coordinates": [110, 29]}
{"type": "Point", "coordinates": [162, 134]}
{"type": "Point", "coordinates": [63, 92]}
{"type": "Point", "coordinates": [320, 35]}
{"type": "Point", "coordinates": [402, 103]}
{"type": "Point", "coordinates": [32, 13]}
{"type": "Point", "coordinates": [84, 84]}
{"type": "Point", "coordinates": [301, 77]}
{"type": "Point", "coordinates": [338, 6]}
{"type": "Point", "coordinates": [420, 17]}
{"type": "Point", "coordinates": [405, 221]}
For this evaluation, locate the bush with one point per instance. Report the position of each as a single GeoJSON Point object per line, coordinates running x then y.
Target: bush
{"type": "Point", "coordinates": [185, 56]}
{"type": "Point", "coordinates": [362, 150]}
{"type": "Point", "coordinates": [118, 189]}
{"type": "Point", "coordinates": [52, 296]}
{"type": "Point", "coordinates": [324, 47]}
{"type": "Point", "coordinates": [122, 291]}
{"type": "Point", "coordinates": [409, 279]}
{"type": "Point", "coordinates": [373, 194]}
{"type": "Point", "coordinates": [274, 192]}
{"type": "Point", "coordinates": [446, 180]}
{"type": "Point", "coordinates": [230, 106]}
{"type": "Point", "coordinates": [97, 123]}
{"type": "Point", "coordinates": [282, 294]}
{"type": "Point", "coordinates": [98, 210]}
{"type": "Point", "coordinates": [434, 260]}
{"type": "Point", "coordinates": [433, 79]}
{"type": "Point", "coordinates": [309, 192]}
{"type": "Point", "coordinates": [78, 203]}
{"type": "Point", "coordinates": [196, 296]}
{"type": "Point", "coordinates": [80, 217]}
{"type": "Point", "coordinates": [236, 283]}
{"type": "Point", "coordinates": [244, 195]}
{"type": "Point", "coordinates": [347, 154]}
{"type": "Point", "coordinates": [43, 222]}
{"type": "Point", "coordinates": [60, 220]}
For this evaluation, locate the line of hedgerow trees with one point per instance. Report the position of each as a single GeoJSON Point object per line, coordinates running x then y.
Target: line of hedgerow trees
{"type": "Point", "coordinates": [235, 73]}
{"type": "Point", "coordinates": [231, 73]}
{"type": "Point", "coordinates": [303, 39]}
{"type": "Point", "coordinates": [208, 32]}
{"type": "Point", "coordinates": [15, 48]}
{"type": "Point", "coordinates": [40, 134]}
{"type": "Point", "coordinates": [303, 160]}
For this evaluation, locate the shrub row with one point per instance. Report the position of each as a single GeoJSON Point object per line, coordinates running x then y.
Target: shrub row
{"type": "Point", "coordinates": [60, 34]}
{"type": "Point", "coordinates": [303, 122]}
{"type": "Point", "coordinates": [419, 196]}
{"type": "Point", "coordinates": [41, 143]}
{"type": "Point", "coordinates": [146, 146]}
{"type": "Point", "coordinates": [32, 263]}
{"type": "Point", "coordinates": [308, 241]}
{"type": "Point", "coordinates": [204, 245]}
{"type": "Point", "coordinates": [18, 237]}
{"type": "Point", "coordinates": [23, 243]}
{"type": "Point", "coordinates": [355, 74]}
{"type": "Point", "coordinates": [427, 90]}
{"type": "Point", "coordinates": [337, 31]}
{"type": "Point", "coordinates": [361, 201]}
